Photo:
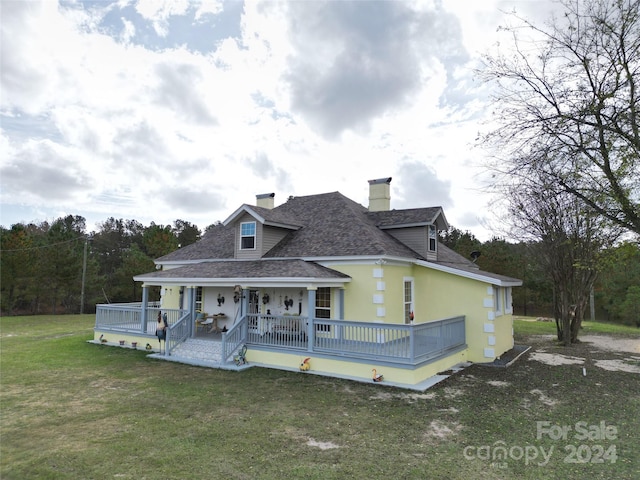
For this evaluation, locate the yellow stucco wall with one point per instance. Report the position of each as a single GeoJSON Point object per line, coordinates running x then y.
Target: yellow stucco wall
{"type": "Point", "coordinates": [359, 371]}
{"type": "Point", "coordinates": [114, 338]}
{"type": "Point", "coordinates": [437, 295]}
{"type": "Point", "coordinates": [374, 287]}
{"type": "Point", "coordinates": [170, 297]}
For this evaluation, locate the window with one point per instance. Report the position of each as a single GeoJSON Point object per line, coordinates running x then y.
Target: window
{"type": "Point", "coordinates": [248, 236]}
{"type": "Point", "coordinates": [323, 307]}
{"type": "Point", "coordinates": [199, 299]}
{"type": "Point", "coordinates": [408, 299]}
{"type": "Point", "coordinates": [497, 300]}
{"type": "Point", "coordinates": [433, 238]}
{"type": "Point", "coordinates": [508, 300]}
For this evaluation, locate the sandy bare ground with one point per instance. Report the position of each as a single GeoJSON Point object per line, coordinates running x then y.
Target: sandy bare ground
{"type": "Point", "coordinates": [620, 347]}
{"type": "Point", "coordinates": [603, 342]}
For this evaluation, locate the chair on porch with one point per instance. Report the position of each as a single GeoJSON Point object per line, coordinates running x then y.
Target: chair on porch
{"type": "Point", "coordinates": [199, 321]}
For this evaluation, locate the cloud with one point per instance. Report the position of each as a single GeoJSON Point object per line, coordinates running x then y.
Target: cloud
{"type": "Point", "coordinates": [420, 186]}
{"type": "Point", "coordinates": [354, 62]}
{"type": "Point", "coordinates": [43, 172]}
{"type": "Point", "coordinates": [177, 90]}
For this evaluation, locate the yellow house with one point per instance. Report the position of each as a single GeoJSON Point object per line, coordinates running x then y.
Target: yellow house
{"type": "Point", "coordinates": [323, 285]}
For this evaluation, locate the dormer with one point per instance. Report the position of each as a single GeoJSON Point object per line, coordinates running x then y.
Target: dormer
{"type": "Point", "coordinates": [258, 228]}
{"type": "Point", "coordinates": [417, 228]}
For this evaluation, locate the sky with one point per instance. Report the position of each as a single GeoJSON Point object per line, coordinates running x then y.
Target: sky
{"type": "Point", "coordinates": [158, 110]}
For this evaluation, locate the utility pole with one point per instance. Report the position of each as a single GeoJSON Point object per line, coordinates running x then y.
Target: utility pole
{"type": "Point", "coordinates": [84, 274]}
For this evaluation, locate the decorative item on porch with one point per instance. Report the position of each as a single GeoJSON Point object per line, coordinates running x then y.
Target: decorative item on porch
{"type": "Point", "coordinates": [134, 344]}
{"type": "Point", "coordinates": [288, 302]}
{"type": "Point", "coordinates": [265, 298]}
{"type": "Point", "coordinates": [122, 342]}
{"type": "Point", "coordinates": [220, 300]}
{"type": "Point", "coordinates": [377, 377]}
{"type": "Point", "coordinates": [241, 359]}
{"type": "Point", "coordinates": [305, 365]}
{"type": "Point", "coordinates": [411, 316]}
{"type": "Point", "coordinates": [237, 293]}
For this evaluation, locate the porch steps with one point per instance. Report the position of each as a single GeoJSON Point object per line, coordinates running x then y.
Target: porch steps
{"type": "Point", "coordinates": [203, 353]}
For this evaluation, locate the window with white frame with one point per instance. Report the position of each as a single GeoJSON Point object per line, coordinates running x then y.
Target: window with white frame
{"type": "Point", "coordinates": [498, 300]}
{"type": "Point", "coordinates": [433, 238]}
{"type": "Point", "coordinates": [408, 299]}
{"type": "Point", "coordinates": [248, 235]}
{"type": "Point", "coordinates": [508, 302]}
{"type": "Point", "coordinates": [199, 299]}
{"type": "Point", "coordinates": [323, 307]}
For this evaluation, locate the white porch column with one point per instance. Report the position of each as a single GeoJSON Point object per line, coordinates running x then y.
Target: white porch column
{"type": "Point", "coordinates": [311, 310]}
{"type": "Point", "coordinates": [191, 302]}
{"type": "Point", "coordinates": [145, 304]}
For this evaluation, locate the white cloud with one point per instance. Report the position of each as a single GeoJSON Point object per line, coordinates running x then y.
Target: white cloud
{"type": "Point", "coordinates": [115, 111]}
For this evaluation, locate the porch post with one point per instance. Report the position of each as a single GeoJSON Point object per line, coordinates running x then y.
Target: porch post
{"type": "Point", "coordinates": [145, 303]}
{"type": "Point", "coordinates": [311, 309]}
{"type": "Point", "coordinates": [191, 301]}
{"type": "Point", "coordinates": [340, 311]}
{"type": "Point", "coordinates": [244, 303]}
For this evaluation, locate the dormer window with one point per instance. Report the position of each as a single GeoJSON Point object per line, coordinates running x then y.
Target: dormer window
{"type": "Point", "coordinates": [433, 238]}
{"type": "Point", "coordinates": [248, 236]}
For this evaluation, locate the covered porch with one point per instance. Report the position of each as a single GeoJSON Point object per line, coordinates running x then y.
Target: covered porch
{"type": "Point", "coordinates": [405, 346]}
{"type": "Point", "coordinates": [211, 314]}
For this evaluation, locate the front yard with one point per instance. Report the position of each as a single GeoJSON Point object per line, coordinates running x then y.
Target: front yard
{"type": "Point", "coordinates": [70, 409]}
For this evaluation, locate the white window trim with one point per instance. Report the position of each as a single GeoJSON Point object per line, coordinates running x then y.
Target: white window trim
{"type": "Point", "coordinates": [498, 300]}
{"type": "Point", "coordinates": [431, 229]}
{"type": "Point", "coordinates": [255, 235]}
{"type": "Point", "coordinates": [413, 296]}
{"type": "Point", "coordinates": [508, 305]}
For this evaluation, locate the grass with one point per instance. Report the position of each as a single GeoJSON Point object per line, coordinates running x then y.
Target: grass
{"type": "Point", "coordinates": [528, 326]}
{"type": "Point", "coordinates": [73, 410]}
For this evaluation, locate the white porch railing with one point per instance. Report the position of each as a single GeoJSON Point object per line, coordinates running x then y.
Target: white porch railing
{"type": "Point", "coordinates": [393, 343]}
{"type": "Point", "coordinates": [128, 318]}
{"type": "Point", "coordinates": [405, 344]}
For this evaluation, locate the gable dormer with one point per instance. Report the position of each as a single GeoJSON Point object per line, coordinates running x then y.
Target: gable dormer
{"type": "Point", "coordinates": [417, 228]}
{"type": "Point", "coordinates": [257, 229]}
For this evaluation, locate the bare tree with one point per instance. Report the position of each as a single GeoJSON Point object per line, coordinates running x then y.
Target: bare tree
{"type": "Point", "coordinates": [567, 238]}
{"type": "Point", "coordinates": [567, 105]}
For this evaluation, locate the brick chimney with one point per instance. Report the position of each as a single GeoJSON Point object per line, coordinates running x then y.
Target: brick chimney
{"type": "Point", "coordinates": [380, 195]}
{"type": "Point", "coordinates": [265, 200]}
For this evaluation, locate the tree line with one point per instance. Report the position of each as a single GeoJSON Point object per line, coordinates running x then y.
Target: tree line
{"type": "Point", "coordinates": [45, 269]}
{"type": "Point", "coordinates": [552, 264]}
{"type": "Point", "coordinates": [58, 267]}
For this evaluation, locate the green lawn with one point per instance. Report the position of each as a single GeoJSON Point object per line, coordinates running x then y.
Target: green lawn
{"type": "Point", "coordinates": [74, 410]}
{"type": "Point", "coordinates": [527, 326]}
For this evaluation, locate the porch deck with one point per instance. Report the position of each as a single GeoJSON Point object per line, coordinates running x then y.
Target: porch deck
{"type": "Point", "coordinates": [393, 344]}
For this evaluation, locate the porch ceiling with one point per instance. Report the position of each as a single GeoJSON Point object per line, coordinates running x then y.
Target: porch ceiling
{"type": "Point", "coordinates": [249, 272]}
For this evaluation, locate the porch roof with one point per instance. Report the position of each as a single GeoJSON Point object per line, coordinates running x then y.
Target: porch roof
{"type": "Point", "coordinates": [249, 272]}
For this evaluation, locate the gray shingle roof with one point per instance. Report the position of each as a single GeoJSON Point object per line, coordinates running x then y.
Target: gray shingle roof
{"type": "Point", "coordinates": [331, 225]}
{"type": "Point", "coordinates": [275, 215]}
{"type": "Point", "coordinates": [334, 225]}
{"type": "Point", "coordinates": [217, 242]}
{"type": "Point", "coordinates": [295, 269]}
{"type": "Point", "coordinates": [410, 216]}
